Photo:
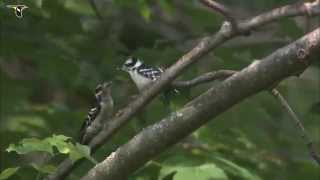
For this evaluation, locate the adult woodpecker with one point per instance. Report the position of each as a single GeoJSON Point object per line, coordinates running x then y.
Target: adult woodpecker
{"type": "Point", "coordinates": [143, 74]}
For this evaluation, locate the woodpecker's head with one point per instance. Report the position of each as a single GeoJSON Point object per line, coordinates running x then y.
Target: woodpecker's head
{"type": "Point", "coordinates": [103, 91]}
{"type": "Point", "coordinates": [131, 64]}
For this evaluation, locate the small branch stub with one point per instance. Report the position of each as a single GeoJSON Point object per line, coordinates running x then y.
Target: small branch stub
{"type": "Point", "coordinates": [223, 10]}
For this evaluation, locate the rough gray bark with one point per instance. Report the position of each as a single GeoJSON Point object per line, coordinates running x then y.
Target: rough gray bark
{"type": "Point", "coordinates": [258, 76]}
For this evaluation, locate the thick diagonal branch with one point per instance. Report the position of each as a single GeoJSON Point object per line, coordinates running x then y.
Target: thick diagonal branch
{"type": "Point", "coordinates": [294, 117]}
{"type": "Point", "coordinates": [258, 76]}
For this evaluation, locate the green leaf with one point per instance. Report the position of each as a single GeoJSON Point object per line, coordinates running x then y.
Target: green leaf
{"type": "Point", "coordinates": [45, 169]}
{"type": "Point", "coordinates": [80, 151]}
{"type": "Point", "coordinates": [75, 151]}
{"type": "Point", "coordinates": [168, 170]}
{"type": "Point", "coordinates": [5, 174]}
{"type": "Point", "coordinates": [202, 172]}
{"type": "Point", "coordinates": [59, 141]}
{"type": "Point", "coordinates": [30, 145]}
{"type": "Point", "coordinates": [144, 10]}
{"type": "Point", "coordinates": [237, 170]}
{"type": "Point", "coordinates": [61, 137]}
{"type": "Point", "coordinates": [85, 150]}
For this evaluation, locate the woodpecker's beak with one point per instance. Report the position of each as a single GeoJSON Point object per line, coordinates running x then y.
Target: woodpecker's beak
{"type": "Point", "coordinates": [123, 68]}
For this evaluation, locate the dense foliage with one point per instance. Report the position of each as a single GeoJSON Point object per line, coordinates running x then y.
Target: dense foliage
{"type": "Point", "coordinates": [52, 59]}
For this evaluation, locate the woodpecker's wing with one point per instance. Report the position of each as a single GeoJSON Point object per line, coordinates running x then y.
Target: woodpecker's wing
{"type": "Point", "coordinates": [18, 11]}
{"type": "Point", "coordinates": [149, 72]}
{"type": "Point", "coordinates": [91, 116]}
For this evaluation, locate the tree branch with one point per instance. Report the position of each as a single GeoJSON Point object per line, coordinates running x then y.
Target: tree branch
{"type": "Point", "coordinates": [223, 10]}
{"type": "Point", "coordinates": [204, 46]}
{"type": "Point", "coordinates": [204, 78]}
{"type": "Point", "coordinates": [258, 76]}
{"type": "Point", "coordinates": [294, 117]}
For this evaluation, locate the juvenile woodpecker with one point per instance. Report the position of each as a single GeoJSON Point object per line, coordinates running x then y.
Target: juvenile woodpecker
{"type": "Point", "coordinates": [101, 110]}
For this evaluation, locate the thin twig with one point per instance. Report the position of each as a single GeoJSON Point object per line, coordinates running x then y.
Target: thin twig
{"type": "Point", "coordinates": [223, 10]}
{"type": "Point", "coordinates": [204, 78]}
{"type": "Point", "coordinates": [299, 125]}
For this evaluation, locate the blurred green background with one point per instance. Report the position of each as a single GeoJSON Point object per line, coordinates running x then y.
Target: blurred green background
{"type": "Point", "coordinates": [52, 59]}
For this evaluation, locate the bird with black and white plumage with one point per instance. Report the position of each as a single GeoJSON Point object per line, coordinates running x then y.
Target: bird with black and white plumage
{"type": "Point", "coordinates": [101, 110]}
{"type": "Point", "coordinates": [143, 74]}
{"type": "Point", "coordinates": [18, 9]}
{"type": "Point", "coordinates": [140, 73]}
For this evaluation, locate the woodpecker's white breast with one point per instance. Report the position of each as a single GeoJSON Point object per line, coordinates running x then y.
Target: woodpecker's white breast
{"type": "Point", "coordinates": [139, 80]}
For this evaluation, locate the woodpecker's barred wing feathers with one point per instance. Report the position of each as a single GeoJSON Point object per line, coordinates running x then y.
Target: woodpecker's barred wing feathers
{"type": "Point", "coordinates": [93, 112]}
{"type": "Point", "coordinates": [19, 11]}
{"type": "Point", "coordinates": [149, 72]}
{"type": "Point", "coordinates": [102, 110]}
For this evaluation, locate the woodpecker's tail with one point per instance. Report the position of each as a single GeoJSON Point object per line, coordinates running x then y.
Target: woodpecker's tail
{"type": "Point", "coordinates": [167, 97]}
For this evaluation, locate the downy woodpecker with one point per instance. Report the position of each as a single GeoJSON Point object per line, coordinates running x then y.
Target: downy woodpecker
{"type": "Point", "coordinates": [101, 111]}
{"type": "Point", "coordinates": [140, 73]}
{"type": "Point", "coordinates": [143, 74]}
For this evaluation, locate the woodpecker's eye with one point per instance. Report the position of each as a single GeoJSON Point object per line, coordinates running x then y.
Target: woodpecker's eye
{"type": "Point", "coordinates": [130, 62]}
{"type": "Point", "coordinates": [98, 88]}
